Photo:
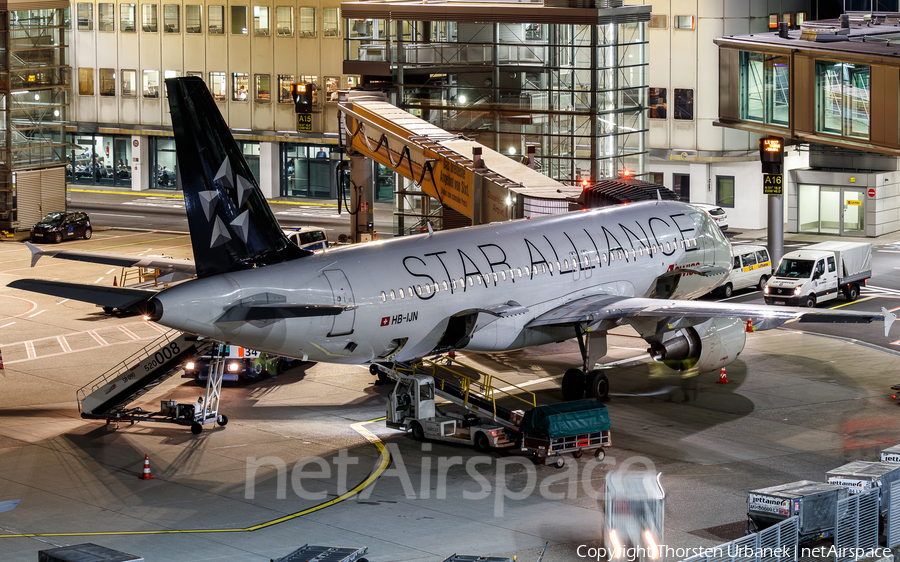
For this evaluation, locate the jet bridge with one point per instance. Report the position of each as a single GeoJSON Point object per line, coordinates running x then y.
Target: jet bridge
{"type": "Point", "coordinates": [480, 183]}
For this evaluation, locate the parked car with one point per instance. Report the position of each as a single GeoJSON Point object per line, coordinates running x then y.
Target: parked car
{"type": "Point", "coordinates": [56, 227]}
{"type": "Point", "coordinates": [717, 213]}
{"type": "Point", "coordinates": [752, 268]}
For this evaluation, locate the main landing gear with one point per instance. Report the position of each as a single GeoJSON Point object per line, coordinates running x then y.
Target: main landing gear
{"type": "Point", "coordinates": [578, 382]}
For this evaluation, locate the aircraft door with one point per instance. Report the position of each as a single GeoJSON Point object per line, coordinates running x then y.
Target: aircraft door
{"type": "Point", "coordinates": [343, 296]}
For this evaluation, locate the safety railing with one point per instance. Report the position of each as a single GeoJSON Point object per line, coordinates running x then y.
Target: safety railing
{"type": "Point", "coordinates": [778, 543]}
{"type": "Point", "coordinates": [486, 387]}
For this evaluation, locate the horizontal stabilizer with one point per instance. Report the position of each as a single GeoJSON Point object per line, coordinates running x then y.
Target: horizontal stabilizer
{"type": "Point", "coordinates": [113, 297]}
{"type": "Point", "coordinates": [242, 313]}
{"type": "Point", "coordinates": [121, 260]}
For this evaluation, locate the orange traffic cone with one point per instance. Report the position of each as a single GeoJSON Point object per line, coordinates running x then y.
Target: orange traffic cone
{"type": "Point", "coordinates": [114, 282]}
{"type": "Point", "coordinates": [146, 474]}
{"type": "Point", "coordinates": [750, 327]}
{"type": "Point", "coordinates": [722, 378]}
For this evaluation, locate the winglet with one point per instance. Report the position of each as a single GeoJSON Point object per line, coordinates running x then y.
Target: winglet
{"type": "Point", "coordinates": [36, 253]}
{"type": "Point", "coordinates": [889, 318]}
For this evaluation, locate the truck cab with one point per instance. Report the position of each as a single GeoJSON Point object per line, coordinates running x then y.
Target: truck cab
{"type": "Point", "coordinates": [413, 398]}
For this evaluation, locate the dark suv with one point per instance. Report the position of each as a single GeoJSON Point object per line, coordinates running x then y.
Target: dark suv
{"type": "Point", "coordinates": [55, 227]}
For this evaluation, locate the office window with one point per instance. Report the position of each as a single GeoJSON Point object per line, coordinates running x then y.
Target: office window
{"type": "Point", "coordinates": [151, 83]}
{"type": "Point", "coordinates": [193, 18]}
{"type": "Point", "coordinates": [659, 21]}
{"type": "Point", "coordinates": [330, 22]}
{"type": "Point", "coordinates": [149, 22]}
{"type": "Point", "coordinates": [170, 74]}
{"type": "Point", "coordinates": [725, 191]}
{"type": "Point", "coordinates": [86, 81]}
{"type": "Point", "coordinates": [307, 22]}
{"type": "Point", "coordinates": [773, 21]}
{"type": "Point", "coordinates": [801, 17]}
{"type": "Point", "coordinates": [85, 16]}
{"type": "Point", "coordinates": [107, 81]}
{"type": "Point", "coordinates": [284, 21]}
{"type": "Point", "coordinates": [126, 18]}
{"type": "Point", "coordinates": [262, 91]}
{"type": "Point", "coordinates": [106, 14]}
{"type": "Point", "coordinates": [172, 18]}
{"type": "Point", "coordinates": [657, 103]}
{"type": "Point", "coordinates": [313, 81]}
{"type": "Point", "coordinates": [239, 20]}
{"type": "Point", "coordinates": [842, 99]}
{"type": "Point", "coordinates": [788, 19]}
{"type": "Point", "coordinates": [217, 86]}
{"type": "Point", "coordinates": [764, 87]}
{"type": "Point", "coordinates": [129, 83]}
{"type": "Point", "coordinates": [194, 73]}
{"type": "Point", "coordinates": [216, 20]}
{"type": "Point", "coordinates": [285, 81]}
{"type": "Point", "coordinates": [332, 85]}
{"type": "Point", "coordinates": [261, 20]}
{"type": "Point", "coordinates": [240, 86]}
{"type": "Point", "coordinates": [683, 22]}
{"type": "Point", "coordinates": [684, 104]}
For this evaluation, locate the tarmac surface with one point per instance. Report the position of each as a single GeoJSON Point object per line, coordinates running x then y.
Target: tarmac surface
{"type": "Point", "coordinates": [303, 458]}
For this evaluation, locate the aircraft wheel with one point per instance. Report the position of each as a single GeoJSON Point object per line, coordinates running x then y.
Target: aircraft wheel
{"type": "Point", "coordinates": [577, 454]}
{"type": "Point", "coordinates": [481, 442]}
{"type": "Point", "coordinates": [417, 432]}
{"type": "Point", "coordinates": [223, 420]}
{"type": "Point", "coordinates": [196, 428]}
{"type": "Point", "coordinates": [599, 454]}
{"type": "Point", "coordinates": [573, 384]}
{"type": "Point", "coordinates": [599, 385]}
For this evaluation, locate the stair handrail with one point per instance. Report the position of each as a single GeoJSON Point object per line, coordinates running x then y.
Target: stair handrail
{"type": "Point", "coordinates": [487, 383]}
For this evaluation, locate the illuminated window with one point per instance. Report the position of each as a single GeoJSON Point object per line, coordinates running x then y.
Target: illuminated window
{"type": "Point", "coordinates": [216, 20]}
{"type": "Point", "coordinates": [107, 81]}
{"type": "Point", "coordinates": [262, 90]}
{"type": "Point", "coordinates": [193, 18]}
{"type": "Point", "coordinates": [285, 81]}
{"type": "Point", "coordinates": [307, 22]}
{"type": "Point", "coordinates": [240, 86]}
{"type": "Point", "coordinates": [773, 21]}
{"type": "Point", "coordinates": [106, 14]}
{"type": "Point", "coordinates": [330, 19]}
{"type": "Point", "coordinates": [85, 16]}
{"type": "Point", "coordinates": [801, 17]}
{"type": "Point", "coordinates": [217, 86]}
{"type": "Point", "coordinates": [331, 88]}
{"type": "Point", "coordinates": [86, 81]}
{"type": "Point", "coordinates": [129, 83]}
{"type": "Point", "coordinates": [683, 22]}
{"type": "Point", "coordinates": [172, 18]}
{"type": "Point", "coordinates": [126, 18]}
{"type": "Point", "coordinates": [657, 103]}
{"type": "Point", "coordinates": [148, 18]}
{"type": "Point", "coordinates": [842, 98]}
{"type": "Point", "coordinates": [261, 20]}
{"type": "Point", "coordinates": [658, 21]}
{"type": "Point", "coordinates": [170, 74]}
{"type": "Point", "coordinates": [284, 21]}
{"type": "Point", "coordinates": [151, 84]}
{"type": "Point", "coordinates": [684, 104]}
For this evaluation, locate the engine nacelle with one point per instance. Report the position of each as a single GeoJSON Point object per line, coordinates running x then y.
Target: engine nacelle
{"type": "Point", "coordinates": [707, 346]}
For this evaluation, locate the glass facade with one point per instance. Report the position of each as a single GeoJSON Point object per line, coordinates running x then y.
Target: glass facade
{"type": "Point", "coordinates": [765, 88]}
{"type": "Point", "coordinates": [306, 170]}
{"type": "Point", "coordinates": [99, 160]}
{"type": "Point", "coordinates": [576, 92]}
{"type": "Point", "coordinates": [842, 99]}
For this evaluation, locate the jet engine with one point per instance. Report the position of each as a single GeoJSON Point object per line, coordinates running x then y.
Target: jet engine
{"type": "Point", "coordinates": [707, 346]}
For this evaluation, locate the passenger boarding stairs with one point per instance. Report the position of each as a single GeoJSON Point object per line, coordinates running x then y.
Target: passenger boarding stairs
{"type": "Point", "coordinates": [108, 395]}
{"type": "Point", "coordinates": [474, 390]}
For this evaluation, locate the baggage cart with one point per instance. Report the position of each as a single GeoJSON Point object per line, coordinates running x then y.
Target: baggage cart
{"type": "Point", "coordinates": [87, 552]}
{"type": "Point", "coordinates": [570, 427]}
{"type": "Point", "coordinates": [310, 553]}
{"type": "Point", "coordinates": [862, 476]}
{"type": "Point", "coordinates": [891, 455]}
{"type": "Point", "coordinates": [465, 558]}
{"type": "Point", "coordinates": [815, 503]}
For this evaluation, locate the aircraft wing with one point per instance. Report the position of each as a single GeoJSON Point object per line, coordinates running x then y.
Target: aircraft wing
{"type": "Point", "coordinates": [121, 260]}
{"type": "Point", "coordinates": [594, 310]}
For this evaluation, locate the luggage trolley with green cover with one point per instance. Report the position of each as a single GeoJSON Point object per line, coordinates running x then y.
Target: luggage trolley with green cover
{"type": "Point", "coordinates": [570, 427]}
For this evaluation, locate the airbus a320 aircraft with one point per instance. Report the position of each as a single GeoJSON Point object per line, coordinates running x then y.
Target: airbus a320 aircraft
{"type": "Point", "coordinates": [487, 288]}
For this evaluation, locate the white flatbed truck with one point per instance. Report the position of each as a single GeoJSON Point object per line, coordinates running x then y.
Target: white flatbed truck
{"type": "Point", "coordinates": [820, 272]}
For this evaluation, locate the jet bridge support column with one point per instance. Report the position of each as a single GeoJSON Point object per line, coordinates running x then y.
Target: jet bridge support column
{"type": "Point", "coordinates": [362, 199]}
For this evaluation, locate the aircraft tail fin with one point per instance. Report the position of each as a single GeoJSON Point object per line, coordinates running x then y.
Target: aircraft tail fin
{"type": "Point", "coordinates": [231, 224]}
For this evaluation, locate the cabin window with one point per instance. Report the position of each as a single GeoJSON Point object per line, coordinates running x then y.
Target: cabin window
{"type": "Point", "coordinates": [446, 286]}
{"type": "Point", "coordinates": [410, 291]}
{"type": "Point", "coordinates": [519, 270]}
{"type": "Point", "coordinates": [503, 275]}
{"type": "Point", "coordinates": [427, 289]}
{"type": "Point", "coordinates": [566, 264]}
{"type": "Point", "coordinates": [383, 296]}
{"type": "Point", "coordinates": [640, 250]}
{"type": "Point", "coordinates": [393, 295]}
{"type": "Point", "coordinates": [402, 295]}
{"type": "Point", "coordinates": [471, 281]}
{"type": "Point", "coordinates": [495, 278]}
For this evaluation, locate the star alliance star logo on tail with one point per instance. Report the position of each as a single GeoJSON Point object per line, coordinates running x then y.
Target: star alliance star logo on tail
{"type": "Point", "coordinates": [240, 225]}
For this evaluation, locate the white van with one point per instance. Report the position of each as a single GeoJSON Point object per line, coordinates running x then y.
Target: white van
{"type": "Point", "coordinates": [752, 267]}
{"type": "Point", "coordinates": [310, 238]}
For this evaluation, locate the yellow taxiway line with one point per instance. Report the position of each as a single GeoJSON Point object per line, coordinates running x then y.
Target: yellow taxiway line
{"type": "Point", "coordinates": [383, 463]}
